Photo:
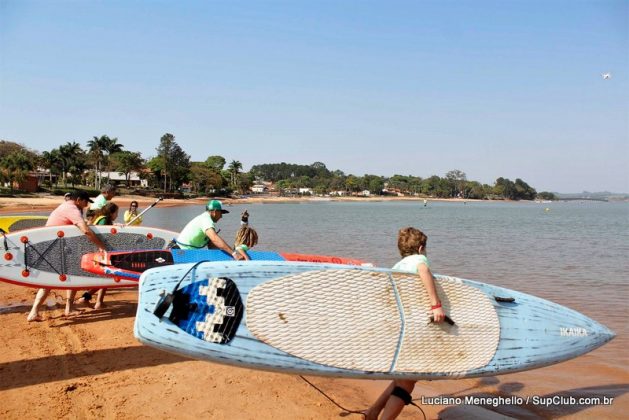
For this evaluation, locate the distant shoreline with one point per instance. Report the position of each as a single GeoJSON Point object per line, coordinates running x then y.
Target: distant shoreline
{"type": "Point", "coordinates": [50, 202]}
{"type": "Point", "coordinates": [42, 203]}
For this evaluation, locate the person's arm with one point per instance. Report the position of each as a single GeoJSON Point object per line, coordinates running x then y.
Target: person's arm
{"type": "Point", "coordinates": [218, 241]}
{"type": "Point", "coordinates": [242, 253]}
{"type": "Point", "coordinates": [429, 284]}
{"type": "Point", "coordinates": [91, 235]}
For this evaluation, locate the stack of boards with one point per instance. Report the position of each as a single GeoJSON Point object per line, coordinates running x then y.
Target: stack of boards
{"type": "Point", "coordinates": [351, 321]}
{"type": "Point", "coordinates": [131, 264]}
{"type": "Point", "coordinates": [62, 257]}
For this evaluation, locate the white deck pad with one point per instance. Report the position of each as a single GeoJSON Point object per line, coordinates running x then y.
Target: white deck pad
{"type": "Point", "coordinates": [374, 321]}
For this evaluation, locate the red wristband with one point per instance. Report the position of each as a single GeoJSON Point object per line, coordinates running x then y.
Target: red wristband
{"type": "Point", "coordinates": [437, 306]}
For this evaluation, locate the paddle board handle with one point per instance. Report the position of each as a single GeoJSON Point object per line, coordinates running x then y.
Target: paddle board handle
{"type": "Point", "coordinates": [446, 319]}
{"type": "Point", "coordinates": [167, 299]}
{"type": "Point", "coordinates": [504, 299]}
{"type": "Point", "coordinates": [163, 305]}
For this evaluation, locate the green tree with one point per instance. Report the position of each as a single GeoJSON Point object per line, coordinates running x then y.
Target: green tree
{"type": "Point", "coordinates": [524, 191]}
{"type": "Point", "coordinates": [245, 181]}
{"type": "Point", "coordinates": [126, 162]}
{"type": "Point", "coordinates": [458, 180]}
{"type": "Point", "coordinates": [175, 163]}
{"type": "Point", "coordinates": [545, 195]}
{"type": "Point", "coordinates": [72, 160]}
{"type": "Point", "coordinates": [15, 167]}
{"type": "Point", "coordinates": [475, 190]}
{"type": "Point", "coordinates": [375, 185]}
{"type": "Point", "coordinates": [352, 183]}
{"type": "Point", "coordinates": [9, 147]}
{"type": "Point", "coordinates": [52, 162]}
{"type": "Point", "coordinates": [505, 188]}
{"type": "Point", "coordinates": [164, 152]}
{"type": "Point", "coordinates": [215, 163]}
{"type": "Point", "coordinates": [96, 153]}
{"type": "Point", "coordinates": [234, 169]}
{"type": "Point", "coordinates": [199, 174]}
{"type": "Point", "coordinates": [99, 150]}
{"type": "Point", "coordinates": [156, 167]}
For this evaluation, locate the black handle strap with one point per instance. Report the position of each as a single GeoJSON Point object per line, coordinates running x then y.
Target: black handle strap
{"type": "Point", "coordinates": [446, 319]}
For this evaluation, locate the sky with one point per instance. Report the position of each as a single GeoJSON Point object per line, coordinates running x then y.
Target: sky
{"type": "Point", "coordinates": [509, 89]}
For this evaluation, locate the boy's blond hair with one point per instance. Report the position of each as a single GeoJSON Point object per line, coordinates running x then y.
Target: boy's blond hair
{"type": "Point", "coordinates": [409, 240]}
{"type": "Point", "coordinates": [246, 236]}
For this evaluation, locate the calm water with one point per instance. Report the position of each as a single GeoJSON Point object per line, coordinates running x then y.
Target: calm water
{"type": "Point", "coordinates": [575, 254]}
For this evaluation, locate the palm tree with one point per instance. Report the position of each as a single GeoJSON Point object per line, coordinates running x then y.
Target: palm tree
{"type": "Point", "coordinates": [51, 161]}
{"type": "Point", "coordinates": [111, 146]}
{"type": "Point", "coordinates": [70, 154]}
{"type": "Point", "coordinates": [96, 153]}
{"type": "Point", "coordinates": [234, 169]}
{"type": "Point", "coordinates": [99, 150]}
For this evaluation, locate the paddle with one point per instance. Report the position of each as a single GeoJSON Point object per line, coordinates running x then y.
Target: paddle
{"type": "Point", "coordinates": [144, 211]}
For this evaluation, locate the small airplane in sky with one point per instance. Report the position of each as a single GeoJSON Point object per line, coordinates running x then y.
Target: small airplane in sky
{"type": "Point", "coordinates": [606, 76]}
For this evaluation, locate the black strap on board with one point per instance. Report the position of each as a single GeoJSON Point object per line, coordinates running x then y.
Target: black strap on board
{"type": "Point", "coordinates": [167, 300]}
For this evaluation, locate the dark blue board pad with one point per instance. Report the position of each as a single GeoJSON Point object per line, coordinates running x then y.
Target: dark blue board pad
{"type": "Point", "coordinates": [140, 261]}
{"type": "Point", "coordinates": [190, 307]}
{"type": "Point", "coordinates": [181, 256]}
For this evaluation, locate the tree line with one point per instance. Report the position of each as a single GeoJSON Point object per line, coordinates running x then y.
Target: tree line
{"type": "Point", "coordinates": [171, 168]}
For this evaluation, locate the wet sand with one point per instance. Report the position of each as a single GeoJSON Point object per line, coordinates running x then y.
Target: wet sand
{"type": "Point", "coordinates": [90, 366]}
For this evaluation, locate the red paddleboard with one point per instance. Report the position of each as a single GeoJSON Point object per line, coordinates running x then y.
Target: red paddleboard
{"type": "Point", "coordinates": [131, 264]}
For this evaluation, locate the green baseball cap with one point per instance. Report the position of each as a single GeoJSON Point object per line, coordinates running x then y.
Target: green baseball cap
{"type": "Point", "coordinates": [215, 205]}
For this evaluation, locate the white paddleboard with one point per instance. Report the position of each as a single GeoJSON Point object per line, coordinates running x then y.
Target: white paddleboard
{"type": "Point", "coordinates": [50, 257]}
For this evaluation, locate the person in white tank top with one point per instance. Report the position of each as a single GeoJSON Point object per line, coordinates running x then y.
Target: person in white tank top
{"type": "Point", "coordinates": [412, 246]}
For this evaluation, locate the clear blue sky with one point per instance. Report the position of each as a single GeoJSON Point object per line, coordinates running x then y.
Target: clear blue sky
{"type": "Point", "coordinates": [493, 88]}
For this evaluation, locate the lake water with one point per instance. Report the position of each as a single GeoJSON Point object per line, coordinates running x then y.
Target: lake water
{"type": "Point", "coordinates": [573, 253]}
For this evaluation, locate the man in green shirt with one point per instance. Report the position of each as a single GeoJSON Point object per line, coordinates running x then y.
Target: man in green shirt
{"type": "Point", "coordinates": [201, 230]}
{"type": "Point", "coordinates": [107, 192]}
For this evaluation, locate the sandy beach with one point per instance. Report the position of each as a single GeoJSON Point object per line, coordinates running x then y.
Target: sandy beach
{"type": "Point", "coordinates": [90, 366]}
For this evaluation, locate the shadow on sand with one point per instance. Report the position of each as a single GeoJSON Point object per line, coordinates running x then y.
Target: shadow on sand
{"type": "Point", "coordinates": [113, 310]}
{"type": "Point", "coordinates": [559, 404]}
{"type": "Point", "coordinates": [70, 366]}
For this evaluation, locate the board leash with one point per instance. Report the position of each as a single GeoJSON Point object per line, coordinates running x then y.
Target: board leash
{"type": "Point", "coordinates": [347, 412]}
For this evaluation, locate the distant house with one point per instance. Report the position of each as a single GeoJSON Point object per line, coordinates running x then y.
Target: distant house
{"type": "Point", "coordinates": [338, 193]}
{"type": "Point", "coordinates": [392, 191]}
{"type": "Point", "coordinates": [185, 188]}
{"type": "Point", "coordinates": [305, 191]}
{"type": "Point", "coordinates": [365, 193]}
{"type": "Point", "coordinates": [117, 178]}
{"type": "Point", "coordinates": [259, 189]}
{"type": "Point", "coordinates": [29, 184]}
